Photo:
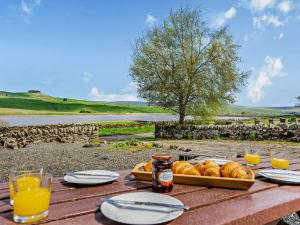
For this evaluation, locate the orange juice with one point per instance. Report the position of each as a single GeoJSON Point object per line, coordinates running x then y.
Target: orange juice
{"type": "Point", "coordinates": [31, 202]}
{"type": "Point", "coordinates": [280, 163]}
{"type": "Point", "coordinates": [23, 183]}
{"type": "Point", "coordinates": [252, 159]}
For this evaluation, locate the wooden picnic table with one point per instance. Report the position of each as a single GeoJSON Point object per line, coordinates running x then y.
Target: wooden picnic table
{"type": "Point", "coordinates": [265, 202]}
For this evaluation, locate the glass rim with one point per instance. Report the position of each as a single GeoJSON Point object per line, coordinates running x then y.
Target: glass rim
{"type": "Point", "coordinates": [13, 169]}
{"type": "Point", "coordinates": [36, 174]}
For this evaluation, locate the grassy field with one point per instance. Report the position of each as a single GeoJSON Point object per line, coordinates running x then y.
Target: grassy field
{"type": "Point", "coordinates": [39, 104]}
{"type": "Point", "coordinates": [257, 111]}
{"type": "Point", "coordinates": [28, 104]}
{"type": "Point", "coordinates": [126, 130]}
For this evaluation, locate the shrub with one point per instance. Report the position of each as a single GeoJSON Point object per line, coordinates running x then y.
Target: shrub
{"type": "Point", "coordinates": [253, 135]}
{"type": "Point", "coordinates": [3, 123]}
{"type": "Point", "coordinates": [34, 91]}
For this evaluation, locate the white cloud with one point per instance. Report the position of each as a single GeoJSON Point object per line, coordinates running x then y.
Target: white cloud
{"type": "Point", "coordinates": [224, 16]}
{"type": "Point", "coordinates": [87, 77]}
{"type": "Point", "coordinates": [264, 20]}
{"type": "Point", "coordinates": [298, 17]}
{"type": "Point", "coordinates": [259, 5]}
{"type": "Point", "coordinates": [272, 69]}
{"type": "Point", "coordinates": [47, 81]}
{"type": "Point", "coordinates": [127, 94]}
{"type": "Point", "coordinates": [280, 36]}
{"type": "Point", "coordinates": [28, 6]}
{"type": "Point", "coordinates": [150, 20]}
{"type": "Point", "coordinates": [285, 6]}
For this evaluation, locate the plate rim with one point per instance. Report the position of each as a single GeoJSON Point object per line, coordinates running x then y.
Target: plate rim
{"type": "Point", "coordinates": [280, 180]}
{"type": "Point", "coordinates": [105, 204]}
{"type": "Point", "coordinates": [92, 183]}
{"type": "Point", "coordinates": [215, 159]}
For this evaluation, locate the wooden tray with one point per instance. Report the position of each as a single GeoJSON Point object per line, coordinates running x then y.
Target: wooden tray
{"type": "Point", "coordinates": [224, 182]}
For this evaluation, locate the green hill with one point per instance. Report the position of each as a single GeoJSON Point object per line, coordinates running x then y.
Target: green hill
{"type": "Point", "coordinates": [24, 103]}
{"type": "Point", "coordinates": [37, 103]}
{"type": "Point", "coordinates": [258, 111]}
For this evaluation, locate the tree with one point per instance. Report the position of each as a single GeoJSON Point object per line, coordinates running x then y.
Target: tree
{"type": "Point", "coordinates": [186, 67]}
{"type": "Point", "coordinates": [298, 99]}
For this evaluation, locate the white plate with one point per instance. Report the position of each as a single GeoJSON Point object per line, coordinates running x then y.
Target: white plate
{"type": "Point", "coordinates": [281, 176]}
{"type": "Point", "coordinates": [92, 179]}
{"type": "Point", "coordinates": [220, 162]}
{"type": "Point", "coordinates": [142, 214]}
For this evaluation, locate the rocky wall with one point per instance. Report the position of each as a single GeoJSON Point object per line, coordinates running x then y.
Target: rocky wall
{"type": "Point", "coordinates": [238, 131]}
{"type": "Point", "coordinates": [18, 137]}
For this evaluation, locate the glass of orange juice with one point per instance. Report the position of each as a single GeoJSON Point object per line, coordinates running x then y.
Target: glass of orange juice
{"type": "Point", "coordinates": [280, 159]}
{"type": "Point", "coordinates": [23, 181]}
{"type": "Point", "coordinates": [31, 202]}
{"type": "Point", "coordinates": [252, 157]}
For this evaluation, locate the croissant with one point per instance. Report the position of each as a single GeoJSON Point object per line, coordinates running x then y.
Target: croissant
{"type": "Point", "coordinates": [148, 166]}
{"type": "Point", "coordinates": [199, 167]}
{"type": "Point", "coordinates": [209, 163]}
{"type": "Point", "coordinates": [227, 168]}
{"type": "Point", "coordinates": [191, 171]}
{"type": "Point", "coordinates": [176, 164]}
{"type": "Point", "coordinates": [209, 168]}
{"type": "Point", "coordinates": [212, 172]}
{"type": "Point", "coordinates": [239, 172]}
{"type": "Point", "coordinates": [181, 167]}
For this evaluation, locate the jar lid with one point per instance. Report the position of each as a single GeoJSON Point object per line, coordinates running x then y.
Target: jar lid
{"type": "Point", "coordinates": [162, 156]}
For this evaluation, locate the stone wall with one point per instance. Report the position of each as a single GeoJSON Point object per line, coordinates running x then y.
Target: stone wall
{"type": "Point", "coordinates": [238, 131]}
{"type": "Point", "coordinates": [18, 137]}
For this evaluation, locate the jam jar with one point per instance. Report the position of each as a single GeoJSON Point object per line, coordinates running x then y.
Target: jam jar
{"type": "Point", "coordinates": [162, 174]}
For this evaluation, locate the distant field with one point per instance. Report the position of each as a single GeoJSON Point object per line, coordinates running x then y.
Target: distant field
{"type": "Point", "coordinates": [126, 130]}
{"type": "Point", "coordinates": [28, 104]}
{"type": "Point", "coordinates": [39, 104]}
{"type": "Point", "coordinates": [256, 111]}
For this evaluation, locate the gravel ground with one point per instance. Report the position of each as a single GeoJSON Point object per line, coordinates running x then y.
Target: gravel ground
{"type": "Point", "coordinates": [58, 158]}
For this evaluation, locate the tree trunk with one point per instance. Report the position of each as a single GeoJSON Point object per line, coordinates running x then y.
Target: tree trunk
{"type": "Point", "coordinates": [181, 118]}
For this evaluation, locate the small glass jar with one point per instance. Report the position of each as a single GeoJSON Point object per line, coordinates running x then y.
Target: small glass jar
{"type": "Point", "coordinates": [162, 174]}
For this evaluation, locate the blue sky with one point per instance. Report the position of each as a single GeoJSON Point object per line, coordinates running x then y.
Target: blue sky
{"type": "Point", "coordinates": [81, 49]}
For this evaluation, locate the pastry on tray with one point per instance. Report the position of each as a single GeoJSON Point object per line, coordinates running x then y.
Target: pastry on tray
{"type": "Point", "coordinates": [207, 168]}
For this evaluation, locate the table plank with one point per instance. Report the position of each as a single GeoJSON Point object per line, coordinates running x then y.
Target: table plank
{"type": "Point", "coordinates": [196, 198]}
{"type": "Point", "coordinates": [258, 208]}
{"type": "Point", "coordinates": [59, 184]}
{"type": "Point", "coordinates": [87, 192]}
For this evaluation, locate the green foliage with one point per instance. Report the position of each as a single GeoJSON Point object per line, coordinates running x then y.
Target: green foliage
{"type": "Point", "coordinates": [133, 144]}
{"type": "Point", "coordinates": [253, 136]}
{"type": "Point", "coordinates": [126, 130]}
{"type": "Point", "coordinates": [185, 67]}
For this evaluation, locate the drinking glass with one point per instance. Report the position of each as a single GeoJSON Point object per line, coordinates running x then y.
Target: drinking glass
{"type": "Point", "coordinates": [252, 157]}
{"type": "Point", "coordinates": [231, 155]}
{"type": "Point", "coordinates": [280, 159]}
{"type": "Point", "coordinates": [31, 202]}
{"type": "Point", "coordinates": [28, 181]}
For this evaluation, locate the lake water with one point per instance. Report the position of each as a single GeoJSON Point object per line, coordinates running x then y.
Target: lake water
{"type": "Point", "coordinates": [44, 120]}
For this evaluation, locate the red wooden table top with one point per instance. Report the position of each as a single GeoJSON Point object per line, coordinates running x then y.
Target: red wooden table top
{"type": "Point", "coordinates": [262, 203]}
